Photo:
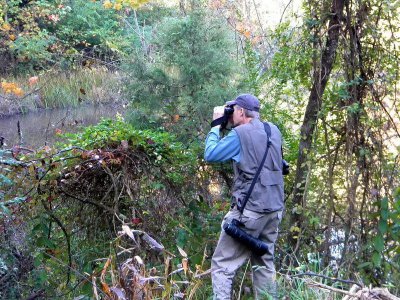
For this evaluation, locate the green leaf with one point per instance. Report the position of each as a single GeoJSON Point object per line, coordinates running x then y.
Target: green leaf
{"type": "Point", "coordinates": [365, 265]}
{"type": "Point", "coordinates": [41, 277]}
{"type": "Point", "coordinates": [384, 208]}
{"type": "Point", "coordinates": [41, 241]}
{"type": "Point", "coordinates": [383, 226]}
{"type": "Point", "coordinates": [37, 261]}
{"type": "Point", "coordinates": [379, 243]}
{"type": "Point", "coordinates": [376, 259]}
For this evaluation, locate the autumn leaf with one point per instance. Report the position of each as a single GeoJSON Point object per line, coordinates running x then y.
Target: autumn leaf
{"type": "Point", "coordinates": [247, 34]}
{"type": "Point", "coordinates": [33, 80]}
{"type": "Point", "coordinates": [107, 4]}
{"type": "Point", "coordinates": [136, 221]}
{"type": "Point", "coordinates": [104, 285]}
{"type": "Point", "coordinates": [117, 6]}
{"type": "Point", "coordinates": [5, 27]}
{"type": "Point", "coordinates": [185, 264]}
{"type": "Point", "coordinates": [18, 92]}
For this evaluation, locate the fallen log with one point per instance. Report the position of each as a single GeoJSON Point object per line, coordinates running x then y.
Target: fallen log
{"type": "Point", "coordinates": [369, 293]}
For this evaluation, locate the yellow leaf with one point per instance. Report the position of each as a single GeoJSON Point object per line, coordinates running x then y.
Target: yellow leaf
{"type": "Point", "coordinates": [117, 6]}
{"type": "Point", "coordinates": [295, 229]}
{"type": "Point", "coordinates": [5, 27]}
{"type": "Point", "coordinates": [107, 4]}
{"type": "Point", "coordinates": [18, 92]}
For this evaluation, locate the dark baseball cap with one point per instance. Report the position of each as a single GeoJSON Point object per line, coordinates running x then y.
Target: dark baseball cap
{"type": "Point", "coordinates": [246, 101]}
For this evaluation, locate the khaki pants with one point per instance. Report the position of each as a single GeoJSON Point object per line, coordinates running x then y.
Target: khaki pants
{"type": "Point", "coordinates": [230, 255]}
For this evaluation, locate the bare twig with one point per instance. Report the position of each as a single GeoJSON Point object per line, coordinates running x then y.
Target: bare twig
{"type": "Point", "coordinates": [21, 139]}
{"type": "Point", "coordinates": [85, 278]}
{"type": "Point", "coordinates": [327, 287]}
{"type": "Point", "coordinates": [284, 10]}
{"type": "Point", "coordinates": [329, 278]}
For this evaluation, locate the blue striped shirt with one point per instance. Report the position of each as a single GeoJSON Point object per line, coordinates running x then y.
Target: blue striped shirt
{"type": "Point", "coordinates": [219, 150]}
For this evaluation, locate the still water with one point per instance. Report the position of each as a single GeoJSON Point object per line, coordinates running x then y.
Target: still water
{"type": "Point", "coordinates": [39, 128]}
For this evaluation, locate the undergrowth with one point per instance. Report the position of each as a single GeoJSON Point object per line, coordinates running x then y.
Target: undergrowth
{"type": "Point", "coordinates": [119, 213]}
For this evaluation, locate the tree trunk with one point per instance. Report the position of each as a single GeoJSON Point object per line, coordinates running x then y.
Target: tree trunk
{"type": "Point", "coordinates": [320, 79]}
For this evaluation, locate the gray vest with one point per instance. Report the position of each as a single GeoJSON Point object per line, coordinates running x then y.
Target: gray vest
{"type": "Point", "coordinates": [267, 195]}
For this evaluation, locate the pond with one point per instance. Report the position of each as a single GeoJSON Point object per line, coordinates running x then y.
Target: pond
{"type": "Point", "coordinates": [39, 128]}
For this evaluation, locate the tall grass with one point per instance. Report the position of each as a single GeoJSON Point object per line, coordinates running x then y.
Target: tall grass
{"type": "Point", "coordinates": [83, 85]}
{"type": "Point", "coordinates": [62, 89]}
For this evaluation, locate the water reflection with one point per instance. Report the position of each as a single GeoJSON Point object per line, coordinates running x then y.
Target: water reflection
{"type": "Point", "coordinates": [40, 128]}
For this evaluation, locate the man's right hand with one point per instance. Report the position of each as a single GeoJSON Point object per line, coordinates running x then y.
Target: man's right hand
{"type": "Point", "coordinates": [218, 112]}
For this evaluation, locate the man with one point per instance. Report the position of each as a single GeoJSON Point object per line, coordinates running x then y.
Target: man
{"type": "Point", "coordinates": [246, 145]}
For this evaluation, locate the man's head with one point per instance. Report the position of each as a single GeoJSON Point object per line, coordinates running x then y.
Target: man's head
{"type": "Point", "coordinates": [246, 107]}
{"type": "Point", "coordinates": [246, 101]}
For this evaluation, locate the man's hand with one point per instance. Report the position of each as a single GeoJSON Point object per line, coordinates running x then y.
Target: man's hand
{"type": "Point", "coordinates": [218, 112]}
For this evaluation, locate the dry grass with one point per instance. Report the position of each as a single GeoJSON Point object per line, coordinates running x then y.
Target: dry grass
{"type": "Point", "coordinates": [61, 89]}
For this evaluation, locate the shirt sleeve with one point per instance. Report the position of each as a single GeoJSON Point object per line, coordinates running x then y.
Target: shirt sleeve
{"type": "Point", "coordinates": [219, 150]}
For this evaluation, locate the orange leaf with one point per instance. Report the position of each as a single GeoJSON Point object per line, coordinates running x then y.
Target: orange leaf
{"type": "Point", "coordinates": [247, 34]}
{"type": "Point", "coordinates": [175, 118]}
{"type": "Point", "coordinates": [106, 288]}
{"type": "Point", "coordinates": [104, 285]}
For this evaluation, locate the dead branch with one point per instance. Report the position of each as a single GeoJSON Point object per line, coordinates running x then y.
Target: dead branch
{"type": "Point", "coordinates": [329, 278]}
{"type": "Point", "coordinates": [327, 287]}
{"type": "Point", "coordinates": [356, 293]}
{"type": "Point", "coordinates": [369, 293]}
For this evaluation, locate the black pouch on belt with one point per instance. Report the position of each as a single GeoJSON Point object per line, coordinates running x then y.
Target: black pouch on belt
{"type": "Point", "coordinates": [255, 245]}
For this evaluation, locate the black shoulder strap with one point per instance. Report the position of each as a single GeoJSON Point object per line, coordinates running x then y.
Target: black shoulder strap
{"type": "Point", "coordinates": [268, 131]}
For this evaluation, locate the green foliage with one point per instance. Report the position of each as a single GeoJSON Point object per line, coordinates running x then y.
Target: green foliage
{"type": "Point", "coordinates": [34, 49]}
{"type": "Point", "coordinates": [40, 34]}
{"type": "Point", "coordinates": [189, 72]}
{"type": "Point", "coordinates": [384, 245]}
{"type": "Point", "coordinates": [90, 28]}
{"type": "Point", "coordinates": [251, 63]}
